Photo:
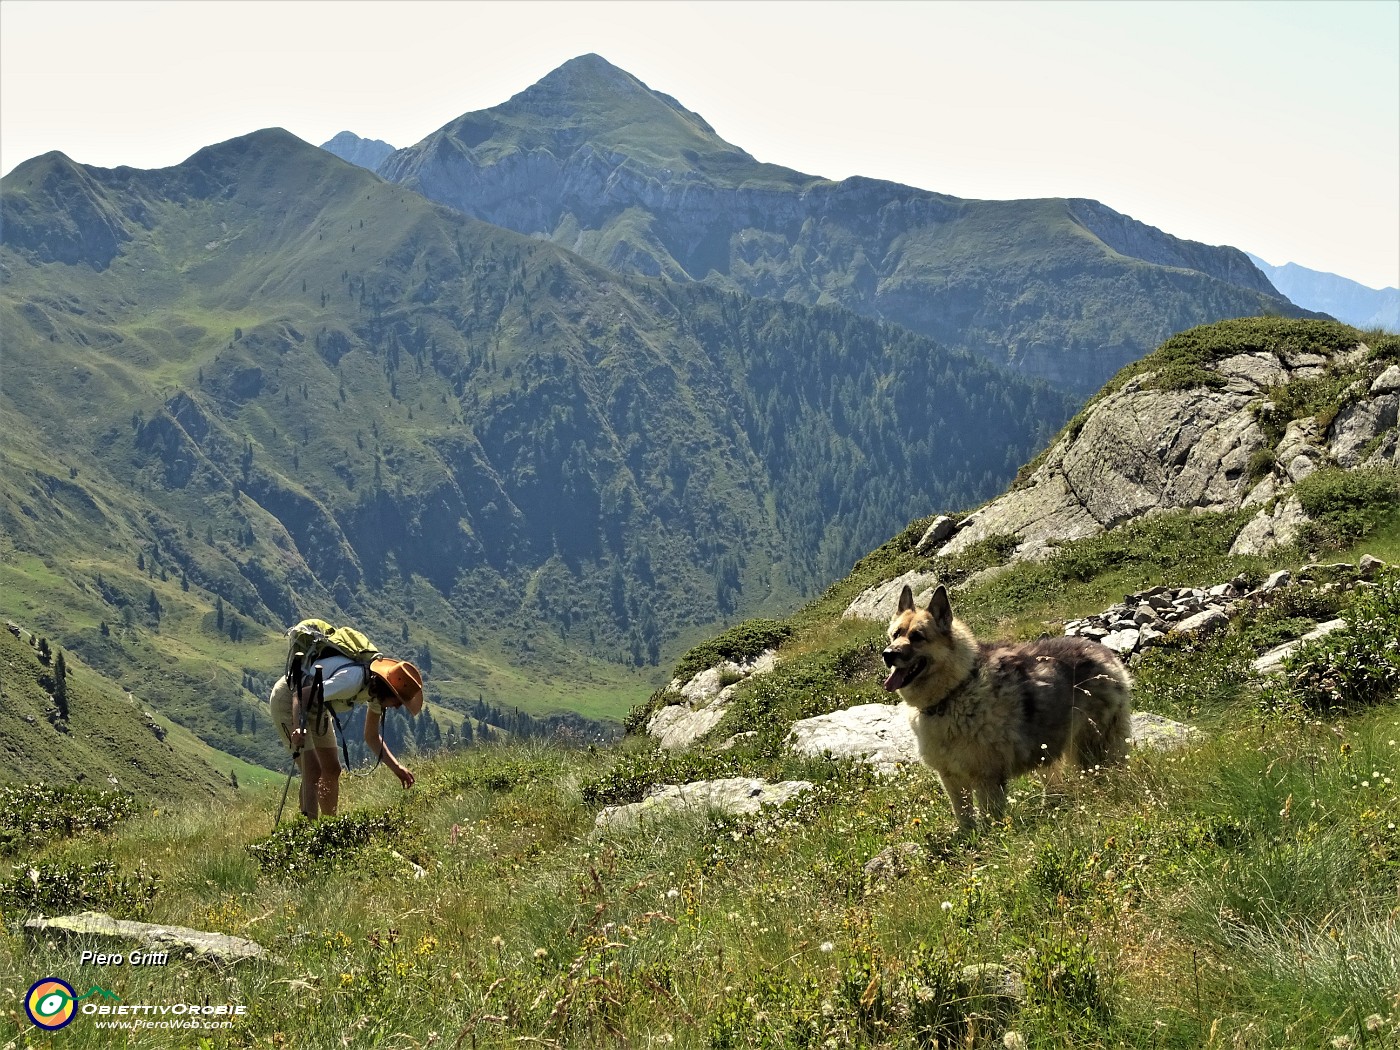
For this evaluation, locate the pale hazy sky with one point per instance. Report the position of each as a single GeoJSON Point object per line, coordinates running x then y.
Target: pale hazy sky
{"type": "Point", "coordinates": [1271, 126]}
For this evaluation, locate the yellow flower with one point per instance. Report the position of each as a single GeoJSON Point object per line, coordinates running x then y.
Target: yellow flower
{"type": "Point", "coordinates": [347, 979]}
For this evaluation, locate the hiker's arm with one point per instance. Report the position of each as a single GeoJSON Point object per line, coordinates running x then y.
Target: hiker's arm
{"type": "Point", "coordinates": [374, 740]}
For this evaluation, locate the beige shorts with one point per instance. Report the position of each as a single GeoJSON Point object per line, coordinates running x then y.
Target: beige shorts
{"type": "Point", "coordinates": [318, 723]}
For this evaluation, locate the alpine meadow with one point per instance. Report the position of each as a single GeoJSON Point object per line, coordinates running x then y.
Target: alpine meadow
{"type": "Point", "coordinates": [631, 443]}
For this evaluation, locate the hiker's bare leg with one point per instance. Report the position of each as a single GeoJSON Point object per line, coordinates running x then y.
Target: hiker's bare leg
{"type": "Point", "coordinates": [310, 779]}
{"type": "Point", "coordinates": [329, 784]}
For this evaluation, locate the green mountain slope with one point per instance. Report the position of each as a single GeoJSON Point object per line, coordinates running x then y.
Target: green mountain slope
{"type": "Point", "coordinates": [265, 384]}
{"type": "Point", "coordinates": [593, 159]}
{"type": "Point", "coordinates": [101, 736]}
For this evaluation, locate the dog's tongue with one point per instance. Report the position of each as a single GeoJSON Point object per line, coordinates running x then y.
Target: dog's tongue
{"type": "Point", "coordinates": [896, 679]}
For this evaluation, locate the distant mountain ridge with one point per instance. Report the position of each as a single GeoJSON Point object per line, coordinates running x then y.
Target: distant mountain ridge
{"type": "Point", "coordinates": [265, 383]}
{"type": "Point", "coordinates": [1345, 299]}
{"type": "Point", "coordinates": [366, 153]}
{"type": "Point", "coordinates": [593, 159]}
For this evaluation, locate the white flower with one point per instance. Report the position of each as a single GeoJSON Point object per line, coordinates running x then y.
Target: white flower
{"type": "Point", "coordinates": [947, 905]}
{"type": "Point", "coordinates": [826, 946]}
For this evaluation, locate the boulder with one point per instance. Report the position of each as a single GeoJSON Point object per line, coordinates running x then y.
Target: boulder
{"type": "Point", "coordinates": [180, 941]}
{"type": "Point", "coordinates": [943, 526]}
{"type": "Point", "coordinates": [1357, 427]}
{"type": "Point", "coordinates": [1271, 529]}
{"type": "Point", "coordinates": [875, 734]}
{"type": "Point", "coordinates": [677, 726]}
{"type": "Point", "coordinates": [1388, 382]}
{"type": "Point", "coordinates": [1208, 621]}
{"type": "Point", "coordinates": [1162, 734]}
{"type": "Point", "coordinates": [734, 796]}
{"type": "Point", "coordinates": [879, 735]}
{"type": "Point", "coordinates": [707, 698]}
{"type": "Point", "coordinates": [880, 602]}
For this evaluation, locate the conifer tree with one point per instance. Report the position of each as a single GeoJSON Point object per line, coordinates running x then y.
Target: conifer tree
{"type": "Point", "coordinates": [60, 689]}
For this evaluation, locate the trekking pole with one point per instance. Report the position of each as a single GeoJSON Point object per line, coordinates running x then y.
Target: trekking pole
{"type": "Point", "coordinates": [294, 682]}
{"type": "Point", "coordinates": [285, 788]}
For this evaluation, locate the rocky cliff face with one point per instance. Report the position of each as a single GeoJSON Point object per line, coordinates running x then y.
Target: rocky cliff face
{"type": "Point", "coordinates": [1068, 290]}
{"type": "Point", "coordinates": [1268, 405]}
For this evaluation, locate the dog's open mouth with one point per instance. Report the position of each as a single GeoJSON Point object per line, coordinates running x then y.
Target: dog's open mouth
{"type": "Point", "coordinates": [902, 676]}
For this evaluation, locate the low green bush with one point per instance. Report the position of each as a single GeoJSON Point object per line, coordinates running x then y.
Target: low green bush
{"type": "Point", "coordinates": [315, 847]}
{"type": "Point", "coordinates": [54, 888]}
{"type": "Point", "coordinates": [43, 812]}
{"type": "Point", "coordinates": [1358, 666]}
{"type": "Point", "coordinates": [1347, 505]}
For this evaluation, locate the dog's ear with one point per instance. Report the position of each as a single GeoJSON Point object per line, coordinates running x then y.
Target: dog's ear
{"type": "Point", "coordinates": [906, 599]}
{"type": "Point", "coordinates": [941, 609]}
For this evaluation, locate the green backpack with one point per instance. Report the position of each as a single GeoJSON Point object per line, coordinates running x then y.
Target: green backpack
{"type": "Point", "coordinates": [311, 640]}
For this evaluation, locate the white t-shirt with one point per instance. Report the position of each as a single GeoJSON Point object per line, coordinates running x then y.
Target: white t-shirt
{"type": "Point", "coordinates": [345, 683]}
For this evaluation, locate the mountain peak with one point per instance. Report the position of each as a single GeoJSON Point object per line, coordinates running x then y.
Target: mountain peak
{"type": "Point", "coordinates": [590, 87]}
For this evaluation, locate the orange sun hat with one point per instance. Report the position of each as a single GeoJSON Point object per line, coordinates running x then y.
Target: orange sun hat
{"type": "Point", "coordinates": [404, 679]}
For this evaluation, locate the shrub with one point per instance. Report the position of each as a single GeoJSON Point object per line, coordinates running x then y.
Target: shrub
{"type": "Point", "coordinates": [54, 888]}
{"type": "Point", "coordinates": [40, 811]}
{"type": "Point", "coordinates": [1347, 505]}
{"type": "Point", "coordinates": [1358, 666]}
{"type": "Point", "coordinates": [306, 847]}
{"type": "Point", "coordinates": [634, 773]}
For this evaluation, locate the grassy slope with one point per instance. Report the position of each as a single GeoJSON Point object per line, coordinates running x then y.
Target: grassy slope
{"type": "Point", "coordinates": [108, 735]}
{"type": "Point", "coordinates": [1237, 890]}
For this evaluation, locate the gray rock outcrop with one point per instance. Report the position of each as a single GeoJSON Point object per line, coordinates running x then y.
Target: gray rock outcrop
{"type": "Point", "coordinates": [875, 734]}
{"type": "Point", "coordinates": [880, 602]}
{"type": "Point", "coordinates": [179, 941]}
{"type": "Point", "coordinates": [733, 796]}
{"type": "Point", "coordinates": [1141, 450]}
{"type": "Point", "coordinates": [706, 699]}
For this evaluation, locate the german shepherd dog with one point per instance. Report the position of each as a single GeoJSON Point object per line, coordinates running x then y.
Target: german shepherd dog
{"type": "Point", "coordinates": [986, 712]}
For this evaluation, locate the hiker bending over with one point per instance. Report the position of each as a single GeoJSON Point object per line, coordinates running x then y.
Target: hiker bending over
{"type": "Point", "coordinates": [301, 720]}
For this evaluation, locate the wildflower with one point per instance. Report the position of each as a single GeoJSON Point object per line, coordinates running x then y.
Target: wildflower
{"type": "Point", "coordinates": [347, 979]}
{"type": "Point", "coordinates": [947, 905]}
{"type": "Point", "coordinates": [672, 893]}
{"type": "Point", "coordinates": [826, 946]}
{"type": "Point", "coordinates": [541, 954]}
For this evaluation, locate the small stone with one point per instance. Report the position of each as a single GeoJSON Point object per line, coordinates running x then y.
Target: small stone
{"type": "Point", "coordinates": [1203, 623]}
{"type": "Point", "coordinates": [1369, 564]}
{"type": "Point", "coordinates": [1122, 642]}
{"type": "Point", "coordinates": [893, 861]}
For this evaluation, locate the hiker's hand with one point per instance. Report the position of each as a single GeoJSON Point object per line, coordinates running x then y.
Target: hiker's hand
{"type": "Point", "coordinates": [298, 739]}
{"type": "Point", "coordinates": [405, 776]}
